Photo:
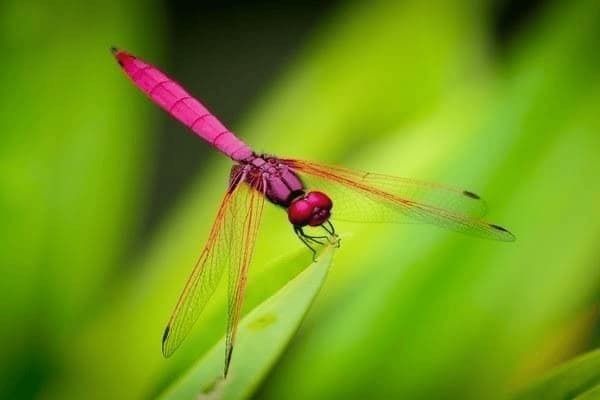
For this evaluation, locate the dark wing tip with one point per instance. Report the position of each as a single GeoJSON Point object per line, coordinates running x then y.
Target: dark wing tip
{"type": "Point", "coordinates": [508, 236]}
{"type": "Point", "coordinates": [471, 195]}
{"type": "Point", "coordinates": [228, 353]}
{"type": "Point", "coordinates": [164, 340]}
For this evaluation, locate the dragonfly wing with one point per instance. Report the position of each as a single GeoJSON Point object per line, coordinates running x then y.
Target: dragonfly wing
{"type": "Point", "coordinates": [247, 209]}
{"type": "Point", "coordinates": [220, 253]}
{"type": "Point", "coordinates": [367, 197]}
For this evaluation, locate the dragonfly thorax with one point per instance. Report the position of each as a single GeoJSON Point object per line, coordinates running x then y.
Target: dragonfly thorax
{"type": "Point", "coordinates": [278, 181]}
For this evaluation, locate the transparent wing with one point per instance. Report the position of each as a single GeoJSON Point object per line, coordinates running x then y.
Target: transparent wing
{"type": "Point", "coordinates": [229, 247]}
{"type": "Point", "coordinates": [248, 215]}
{"type": "Point", "coordinates": [366, 197]}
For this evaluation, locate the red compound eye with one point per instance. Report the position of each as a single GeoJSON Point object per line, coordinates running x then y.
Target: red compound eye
{"type": "Point", "coordinates": [319, 200]}
{"type": "Point", "coordinates": [300, 212]}
{"type": "Point", "coordinates": [313, 209]}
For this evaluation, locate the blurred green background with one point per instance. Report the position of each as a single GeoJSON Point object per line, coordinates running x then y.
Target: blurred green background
{"type": "Point", "coordinates": [105, 202]}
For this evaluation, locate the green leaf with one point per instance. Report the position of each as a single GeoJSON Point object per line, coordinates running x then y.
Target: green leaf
{"type": "Point", "coordinates": [578, 378]}
{"type": "Point", "coordinates": [262, 336]}
{"type": "Point", "coordinates": [592, 394]}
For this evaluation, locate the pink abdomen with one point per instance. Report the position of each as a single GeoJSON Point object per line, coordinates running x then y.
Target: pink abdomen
{"type": "Point", "coordinates": [176, 101]}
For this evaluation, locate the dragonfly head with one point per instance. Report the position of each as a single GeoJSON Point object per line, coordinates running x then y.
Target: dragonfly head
{"type": "Point", "coordinates": [313, 209]}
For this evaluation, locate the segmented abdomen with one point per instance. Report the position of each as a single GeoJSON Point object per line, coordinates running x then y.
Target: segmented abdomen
{"type": "Point", "coordinates": [176, 101]}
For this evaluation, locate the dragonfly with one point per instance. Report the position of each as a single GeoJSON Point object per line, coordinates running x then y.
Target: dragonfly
{"type": "Point", "coordinates": [305, 190]}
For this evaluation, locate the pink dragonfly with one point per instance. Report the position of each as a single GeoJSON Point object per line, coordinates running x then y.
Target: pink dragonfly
{"type": "Point", "coordinates": [254, 178]}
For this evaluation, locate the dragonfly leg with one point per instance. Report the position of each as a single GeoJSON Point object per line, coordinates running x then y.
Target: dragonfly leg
{"type": "Point", "coordinates": [312, 238]}
{"type": "Point", "coordinates": [332, 237]}
{"type": "Point", "coordinates": [331, 227]}
{"type": "Point", "coordinates": [315, 239]}
{"type": "Point", "coordinates": [327, 229]}
{"type": "Point", "coordinates": [305, 239]}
